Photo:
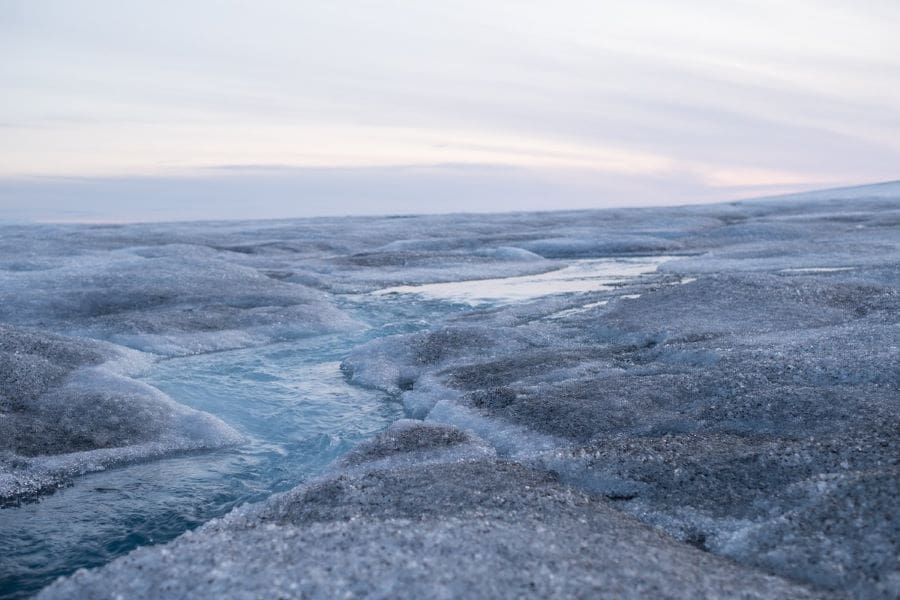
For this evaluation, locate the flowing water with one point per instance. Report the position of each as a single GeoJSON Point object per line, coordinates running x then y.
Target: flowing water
{"type": "Point", "coordinates": [289, 399]}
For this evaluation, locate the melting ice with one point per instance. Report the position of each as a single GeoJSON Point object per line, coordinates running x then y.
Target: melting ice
{"type": "Point", "coordinates": [159, 378]}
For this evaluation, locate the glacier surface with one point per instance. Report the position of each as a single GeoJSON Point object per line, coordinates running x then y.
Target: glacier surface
{"type": "Point", "coordinates": [674, 402]}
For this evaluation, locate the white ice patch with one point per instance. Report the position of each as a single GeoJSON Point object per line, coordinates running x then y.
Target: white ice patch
{"type": "Point", "coordinates": [591, 275]}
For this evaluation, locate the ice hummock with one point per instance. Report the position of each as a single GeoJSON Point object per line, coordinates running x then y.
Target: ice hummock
{"type": "Point", "coordinates": [69, 407]}
{"type": "Point", "coordinates": [170, 300]}
{"type": "Point", "coordinates": [455, 525]}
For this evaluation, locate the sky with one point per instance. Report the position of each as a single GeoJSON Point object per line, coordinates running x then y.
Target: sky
{"type": "Point", "coordinates": [123, 110]}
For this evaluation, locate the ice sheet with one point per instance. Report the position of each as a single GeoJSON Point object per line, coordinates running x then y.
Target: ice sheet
{"type": "Point", "coordinates": [736, 387]}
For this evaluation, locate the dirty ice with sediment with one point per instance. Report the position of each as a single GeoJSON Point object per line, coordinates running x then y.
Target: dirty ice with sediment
{"type": "Point", "coordinates": [659, 402]}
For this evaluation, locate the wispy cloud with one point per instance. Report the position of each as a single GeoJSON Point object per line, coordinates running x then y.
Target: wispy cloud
{"type": "Point", "coordinates": [726, 94]}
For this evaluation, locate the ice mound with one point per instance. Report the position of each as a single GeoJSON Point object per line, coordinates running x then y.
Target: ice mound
{"type": "Point", "coordinates": [472, 528]}
{"type": "Point", "coordinates": [394, 363]}
{"type": "Point", "coordinates": [770, 255]}
{"type": "Point", "coordinates": [607, 245]}
{"type": "Point", "coordinates": [166, 300]}
{"type": "Point", "coordinates": [67, 407]}
{"type": "Point", "coordinates": [424, 441]}
{"type": "Point", "coordinates": [750, 304]}
{"type": "Point", "coordinates": [386, 364]}
{"type": "Point", "coordinates": [371, 271]}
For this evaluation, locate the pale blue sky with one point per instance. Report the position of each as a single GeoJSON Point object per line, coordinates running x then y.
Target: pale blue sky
{"type": "Point", "coordinates": [123, 110]}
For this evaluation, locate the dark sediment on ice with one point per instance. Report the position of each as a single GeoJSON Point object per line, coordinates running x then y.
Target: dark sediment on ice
{"type": "Point", "coordinates": [459, 529]}
{"type": "Point", "coordinates": [728, 426]}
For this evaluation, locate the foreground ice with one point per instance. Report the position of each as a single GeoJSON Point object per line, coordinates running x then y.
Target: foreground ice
{"type": "Point", "coordinates": [726, 425]}
{"type": "Point", "coordinates": [460, 527]}
{"type": "Point", "coordinates": [751, 412]}
{"type": "Point", "coordinates": [68, 407]}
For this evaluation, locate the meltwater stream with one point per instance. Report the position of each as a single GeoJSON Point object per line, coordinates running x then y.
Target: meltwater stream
{"type": "Point", "coordinates": [289, 399]}
{"type": "Point", "coordinates": [291, 402]}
